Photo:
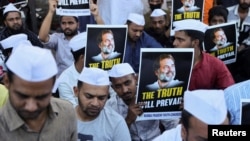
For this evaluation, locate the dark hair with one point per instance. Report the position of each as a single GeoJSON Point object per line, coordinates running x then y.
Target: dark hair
{"type": "Point", "coordinates": [218, 10]}
{"type": "Point", "coordinates": [212, 35]}
{"type": "Point", "coordinates": [105, 31]}
{"type": "Point", "coordinates": [194, 34]}
{"type": "Point", "coordinates": [78, 53]}
{"type": "Point", "coordinates": [76, 18]}
{"type": "Point", "coordinates": [156, 64]}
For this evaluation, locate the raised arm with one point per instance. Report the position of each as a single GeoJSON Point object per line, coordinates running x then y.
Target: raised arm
{"type": "Point", "coordinates": [45, 27]}
{"type": "Point", "coordinates": [95, 12]}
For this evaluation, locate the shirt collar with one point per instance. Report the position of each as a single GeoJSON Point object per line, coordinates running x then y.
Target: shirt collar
{"type": "Point", "coordinates": [236, 11]}
{"type": "Point", "coordinates": [14, 121]}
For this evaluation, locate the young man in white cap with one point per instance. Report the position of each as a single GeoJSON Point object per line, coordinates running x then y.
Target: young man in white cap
{"type": "Point", "coordinates": [190, 34]}
{"type": "Point", "coordinates": [14, 25]}
{"type": "Point", "coordinates": [31, 113]}
{"type": "Point", "coordinates": [159, 29]}
{"type": "Point", "coordinates": [211, 110]}
{"type": "Point", "coordinates": [137, 38]}
{"type": "Point", "coordinates": [124, 82]}
{"type": "Point", "coordinates": [9, 44]}
{"type": "Point", "coordinates": [68, 79]}
{"type": "Point", "coordinates": [96, 122]}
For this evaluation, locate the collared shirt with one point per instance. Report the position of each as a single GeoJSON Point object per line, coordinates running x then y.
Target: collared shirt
{"type": "Point", "coordinates": [132, 54]}
{"type": "Point", "coordinates": [233, 94]}
{"type": "Point", "coordinates": [66, 82]}
{"type": "Point", "coordinates": [233, 15]}
{"type": "Point", "coordinates": [60, 124]}
{"type": "Point", "coordinates": [210, 73]}
{"type": "Point", "coordinates": [63, 55]}
{"type": "Point", "coordinates": [144, 130]}
{"type": "Point", "coordinates": [170, 135]}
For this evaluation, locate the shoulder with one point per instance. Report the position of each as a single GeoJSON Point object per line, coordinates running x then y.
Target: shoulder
{"type": "Point", "coordinates": [62, 106]}
{"type": "Point", "coordinates": [113, 115]}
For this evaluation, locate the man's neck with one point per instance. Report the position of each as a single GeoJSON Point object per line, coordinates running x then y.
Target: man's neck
{"type": "Point", "coordinates": [36, 125]}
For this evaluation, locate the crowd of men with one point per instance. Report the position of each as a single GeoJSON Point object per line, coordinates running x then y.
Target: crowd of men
{"type": "Point", "coordinates": [48, 93]}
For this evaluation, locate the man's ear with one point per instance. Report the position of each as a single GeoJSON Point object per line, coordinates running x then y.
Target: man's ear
{"type": "Point", "coordinates": [6, 80]}
{"type": "Point", "coordinates": [183, 132]}
{"type": "Point", "coordinates": [75, 91]}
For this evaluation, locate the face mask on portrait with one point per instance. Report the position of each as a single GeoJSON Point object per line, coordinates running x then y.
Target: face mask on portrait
{"type": "Point", "coordinates": [153, 7]}
{"type": "Point", "coordinates": [221, 42]}
{"type": "Point", "coordinates": [164, 78]}
{"type": "Point", "coordinates": [106, 50]}
{"type": "Point", "coordinates": [188, 4]}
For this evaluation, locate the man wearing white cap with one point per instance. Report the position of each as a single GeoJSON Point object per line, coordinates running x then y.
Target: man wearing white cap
{"type": "Point", "coordinates": [31, 113]}
{"type": "Point", "coordinates": [14, 25]}
{"type": "Point", "coordinates": [68, 79]}
{"type": "Point", "coordinates": [9, 44]}
{"type": "Point", "coordinates": [190, 34]}
{"type": "Point", "coordinates": [96, 122]}
{"type": "Point", "coordinates": [201, 108]}
{"type": "Point", "coordinates": [124, 82]}
{"type": "Point", "coordinates": [153, 4]}
{"type": "Point", "coordinates": [137, 38]}
{"type": "Point", "coordinates": [159, 28]}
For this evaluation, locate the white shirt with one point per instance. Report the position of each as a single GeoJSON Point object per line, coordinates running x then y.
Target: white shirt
{"type": "Point", "coordinates": [117, 11]}
{"type": "Point", "coordinates": [144, 130]}
{"type": "Point", "coordinates": [63, 55]}
{"type": "Point", "coordinates": [67, 80]}
{"type": "Point", "coordinates": [108, 126]}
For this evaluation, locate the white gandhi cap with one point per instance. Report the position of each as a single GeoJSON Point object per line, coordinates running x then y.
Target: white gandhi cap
{"type": "Point", "coordinates": [32, 63]}
{"type": "Point", "coordinates": [13, 40]}
{"type": "Point", "coordinates": [10, 8]}
{"type": "Point", "coordinates": [157, 13]}
{"type": "Point", "coordinates": [209, 106]}
{"type": "Point", "coordinates": [190, 24]}
{"type": "Point", "coordinates": [137, 19]}
{"type": "Point", "coordinates": [78, 41]}
{"type": "Point", "coordinates": [94, 76]}
{"type": "Point", "coordinates": [120, 70]}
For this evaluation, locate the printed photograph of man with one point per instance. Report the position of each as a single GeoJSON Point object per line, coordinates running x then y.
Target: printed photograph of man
{"type": "Point", "coordinates": [219, 38]}
{"type": "Point", "coordinates": [106, 43]}
{"type": "Point", "coordinates": [188, 6]}
{"type": "Point", "coordinates": [164, 69]}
